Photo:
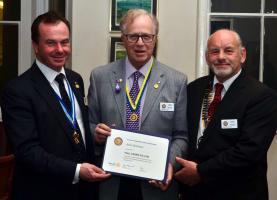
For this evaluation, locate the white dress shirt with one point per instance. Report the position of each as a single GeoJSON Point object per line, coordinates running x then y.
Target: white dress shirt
{"type": "Point", "coordinates": [226, 85]}
{"type": "Point", "coordinates": [50, 75]}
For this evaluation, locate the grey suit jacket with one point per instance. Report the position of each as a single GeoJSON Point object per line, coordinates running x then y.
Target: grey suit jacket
{"type": "Point", "coordinates": [107, 106]}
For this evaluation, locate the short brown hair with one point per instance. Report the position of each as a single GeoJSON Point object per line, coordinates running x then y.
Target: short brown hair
{"type": "Point", "coordinates": [50, 17]}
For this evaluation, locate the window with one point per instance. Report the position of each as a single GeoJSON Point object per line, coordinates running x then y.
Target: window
{"type": "Point", "coordinates": [9, 34]}
{"type": "Point", "coordinates": [58, 6]}
{"type": "Point", "coordinates": [255, 21]}
{"type": "Point", "coordinates": [15, 35]}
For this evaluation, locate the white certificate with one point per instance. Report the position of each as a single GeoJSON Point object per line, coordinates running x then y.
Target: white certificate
{"type": "Point", "coordinates": [133, 154]}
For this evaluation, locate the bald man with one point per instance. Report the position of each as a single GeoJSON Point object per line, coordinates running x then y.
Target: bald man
{"type": "Point", "coordinates": [231, 120]}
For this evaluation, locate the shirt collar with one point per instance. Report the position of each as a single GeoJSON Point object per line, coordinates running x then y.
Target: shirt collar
{"type": "Point", "coordinates": [228, 82]}
{"type": "Point", "coordinates": [49, 73]}
{"type": "Point", "coordinates": [130, 69]}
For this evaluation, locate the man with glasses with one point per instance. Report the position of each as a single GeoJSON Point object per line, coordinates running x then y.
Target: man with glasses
{"type": "Point", "coordinates": [158, 94]}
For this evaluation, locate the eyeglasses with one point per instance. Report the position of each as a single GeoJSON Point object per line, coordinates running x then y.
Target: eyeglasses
{"type": "Point", "coordinates": [146, 38]}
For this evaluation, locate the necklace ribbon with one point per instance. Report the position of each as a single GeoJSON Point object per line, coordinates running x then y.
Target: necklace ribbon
{"type": "Point", "coordinates": [71, 116]}
{"type": "Point", "coordinates": [134, 105]}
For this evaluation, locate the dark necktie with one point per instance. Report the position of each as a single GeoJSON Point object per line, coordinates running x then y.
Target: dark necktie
{"type": "Point", "coordinates": [59, 78]}
{"type": "Point", "coordinates": [216, 100]}
{"type": "Point", "coordinates": [211, 107]}
{"type": "Point", "coordinates": [76, 136]}
{"type": "Point", "coordinates": [132, 116]}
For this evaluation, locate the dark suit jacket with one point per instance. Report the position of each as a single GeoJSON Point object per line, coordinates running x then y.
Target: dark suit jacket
{"type": "Point", "coordinates": [41, 137]}
{"type": "Point", "coordinates": [232, 162]}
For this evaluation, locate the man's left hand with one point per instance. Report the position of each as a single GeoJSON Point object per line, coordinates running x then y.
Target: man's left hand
{"type": "Point", "coordinates": [188, 174]}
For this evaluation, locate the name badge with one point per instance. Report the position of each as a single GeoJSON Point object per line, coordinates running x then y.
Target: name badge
{"type": "Point", "coordinates": [166, 106]}
{"type": "Point", "coordinates": [229, 123]}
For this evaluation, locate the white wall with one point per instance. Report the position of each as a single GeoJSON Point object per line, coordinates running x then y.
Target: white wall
{"type": "Point", "coordinates": [177, 38]}
{"type": "Point", "coordinates": [91, 36]}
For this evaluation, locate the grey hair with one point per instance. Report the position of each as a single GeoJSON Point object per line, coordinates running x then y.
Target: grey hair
{"type": "Point", "coordinates": [132, 14]}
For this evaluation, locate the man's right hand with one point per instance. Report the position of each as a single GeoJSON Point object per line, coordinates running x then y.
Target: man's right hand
{"type": "Point", "coordinates": [91, 173]}
{"type": "Point", "coordinates": [102, 131]}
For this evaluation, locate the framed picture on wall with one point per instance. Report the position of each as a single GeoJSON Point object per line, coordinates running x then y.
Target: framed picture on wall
{"type": "Point", "coordinates": [120, 7]}
{"type": "Point", "coordinates": [117, 50]}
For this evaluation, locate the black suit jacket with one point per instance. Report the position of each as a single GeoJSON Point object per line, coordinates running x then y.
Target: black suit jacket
{"type": "Point", "coordinates": [232, 162]}
{"type": "Point", "coordinates": [41, 137]}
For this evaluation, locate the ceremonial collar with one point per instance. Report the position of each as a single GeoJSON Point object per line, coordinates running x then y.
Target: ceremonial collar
{"type": "Point", "coordinates": [134, 105]}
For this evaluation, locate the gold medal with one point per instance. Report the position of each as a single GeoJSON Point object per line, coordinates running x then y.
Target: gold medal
{"type": "Point", "coordinates": [76, 137]}
{"type": "Point", "coordinates": [134, 117]}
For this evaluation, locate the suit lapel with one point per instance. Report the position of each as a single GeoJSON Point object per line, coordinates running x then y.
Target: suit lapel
{"type": "Point", "coordinates": [118, 73]}
{"type": "Point", "coordinates": [195, 98]}
{"type": "Point", "coordinates": [157, 76]}
{"type": "Point", "coordinates": [43, 88]}
{"type": "Point", "coordinates": [75, 88]}
{"type": "Point", "coordinates": [231, 95]}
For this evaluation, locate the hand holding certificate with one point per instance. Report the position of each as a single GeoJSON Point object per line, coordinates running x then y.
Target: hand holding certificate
{"type": "Point", "coordinates": [138, 155]}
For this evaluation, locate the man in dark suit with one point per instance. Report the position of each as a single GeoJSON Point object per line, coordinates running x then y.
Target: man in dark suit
{"type": "Point", "coordinates": [159, 109]}
{"type": "Point", "coordinates": [46, 121]}
{"type": "Point", "coordinates": [232, 121]}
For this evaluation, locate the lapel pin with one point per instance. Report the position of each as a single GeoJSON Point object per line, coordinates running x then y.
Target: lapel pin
{"type": "Point", "coordinates": [76, 85]}
{"type": "Point", "coordinates": [156, 85]}
{"type": "Point", "coordinates": [117, 86]}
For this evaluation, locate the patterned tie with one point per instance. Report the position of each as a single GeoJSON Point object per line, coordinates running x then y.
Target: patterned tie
{"type": "Point", "coordinates": [216, 100]}
{"type": "Point", "coordinates": [132, 116]}
{"type": "Point", "coordinates": [59, 78]}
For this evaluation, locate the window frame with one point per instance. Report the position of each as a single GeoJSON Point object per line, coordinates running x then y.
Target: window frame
{"type": "Point", "coordinates": [205, 15]}
{"type": "Point", "coordinates": [29, 10]}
